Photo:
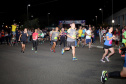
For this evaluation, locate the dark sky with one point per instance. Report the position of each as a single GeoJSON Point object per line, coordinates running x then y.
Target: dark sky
{"type": "Point", "coordinates": [58, 9]}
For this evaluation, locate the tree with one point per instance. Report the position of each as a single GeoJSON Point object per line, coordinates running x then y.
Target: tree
{"type": "Point", "coordinates": [32, 23]}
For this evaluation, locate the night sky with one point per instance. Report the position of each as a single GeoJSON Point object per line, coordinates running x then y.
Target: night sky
{"type": "Point", "coordinates": [58, 9]}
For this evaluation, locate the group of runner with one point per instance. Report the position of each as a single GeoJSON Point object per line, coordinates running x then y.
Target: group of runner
{"type": "Point", "coordinates": [74, 37]}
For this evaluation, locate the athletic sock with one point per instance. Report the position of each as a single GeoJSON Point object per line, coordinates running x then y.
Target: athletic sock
{"type": "Point", "coordinates": [115, 74]}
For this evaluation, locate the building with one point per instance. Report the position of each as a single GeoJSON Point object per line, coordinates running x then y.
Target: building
{"type": "Point", "coordinates": [119, 18]}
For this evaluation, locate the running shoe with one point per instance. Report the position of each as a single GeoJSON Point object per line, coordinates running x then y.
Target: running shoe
{"type": "Point", "coordinates": [102, 60]}
{"type": "Point", "coordinates": [62, 52]}
{"type": "Point", "coordinates": [51, 50]}
{"type": "Point", "coordinates": [35, 51]}
{"type": "Point", "coordinates": [74, 59]}
{"type": "Point", "coordinates": [122, 55]}
{"type": "Point", "coordinates": [104, 77]}
{"type": "Point", "coordinates": [107, 59]}
{"type": "Point", "coordinates": [77, 45]}
{"type": "Point", "coordinates": [32, 48]}
{"type": "Point", "coordinates": [119, 51]}
{"type": "Point", "coordinates": [54, 51]}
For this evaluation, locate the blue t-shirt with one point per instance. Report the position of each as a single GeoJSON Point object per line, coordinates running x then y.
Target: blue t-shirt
{"type": "Point", "coordinates": [108, 42]}
{"type": "Point", "coordinates": [125, 61]}
{"type": "Point", "coordinates": [83, 33]}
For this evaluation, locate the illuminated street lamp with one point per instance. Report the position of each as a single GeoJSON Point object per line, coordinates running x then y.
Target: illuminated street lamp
{"type": "Point", "coordinates": [102, 14]}
{"type": "Point", "coordinates": [48, 18]}
{"type": "Point", "coordinates": [27, 10]}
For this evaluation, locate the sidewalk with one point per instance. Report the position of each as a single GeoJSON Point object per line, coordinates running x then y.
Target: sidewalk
{"type": "Point", "coordinates": [99, 45]}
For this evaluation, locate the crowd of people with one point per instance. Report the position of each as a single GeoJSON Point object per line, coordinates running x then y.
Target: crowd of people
{"type": "Point", "coordinates": [75, 37]}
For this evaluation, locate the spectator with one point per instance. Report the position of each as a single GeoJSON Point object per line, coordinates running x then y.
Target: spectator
{"type": "Point", "coordinates": [117, 34]}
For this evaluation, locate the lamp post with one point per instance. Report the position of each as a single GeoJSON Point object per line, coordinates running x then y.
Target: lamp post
{"type": "Point", "coordinates": [27, 10]}
{"type": "Point", "coordinates": [112, 15]}
{"type": "Point", "coordinates": [96, 20]}
{"type": "Point", "coordinates": [48, 18]}
{"type": "Point", "coordinates": [102, 14]}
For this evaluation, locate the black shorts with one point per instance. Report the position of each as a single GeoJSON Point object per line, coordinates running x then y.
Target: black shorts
{"type": "Point", "coordinates": [107, 47]}
{"type": "Point", "coordinates": [23, 42]}
{"type": "Point", "coordinates": [79, 38]}
{"type": "Point", "coordinates": [54, 41]}
{"type": "Point", "coordinates": [70, 44]}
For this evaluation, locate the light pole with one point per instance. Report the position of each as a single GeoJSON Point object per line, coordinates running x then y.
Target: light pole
{"type": "Point", "coordinates": [112, 15]}
{"type": "Point", "coordinates": [96, 20]}
{"type": "Point", "coordinates": [27, 10]}
{"type": "Point", "coordinates": [48, 18]}
{"type": "Point", "coordinates": [102, 14]}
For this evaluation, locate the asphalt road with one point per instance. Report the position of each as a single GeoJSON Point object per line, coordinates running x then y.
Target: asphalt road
{"type": "Point", "coordinates": [46, 67]}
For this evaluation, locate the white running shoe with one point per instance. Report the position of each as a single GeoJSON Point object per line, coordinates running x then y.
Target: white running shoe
{"type": "Point", "coordinates": [102, 60]}
{"type": "Point", "coordinates": [107, 59]}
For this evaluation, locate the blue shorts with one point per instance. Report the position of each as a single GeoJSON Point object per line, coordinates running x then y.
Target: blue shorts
{"type": "Point", "coordinates": [88, 40]}
{"type": "Point", "coordinates": [125, 61]}
{"type": "Point", "coordinates": [13, 33]}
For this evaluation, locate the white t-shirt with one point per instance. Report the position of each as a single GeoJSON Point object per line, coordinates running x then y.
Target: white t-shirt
{"type": "Point", "coordinates": [88, 33]}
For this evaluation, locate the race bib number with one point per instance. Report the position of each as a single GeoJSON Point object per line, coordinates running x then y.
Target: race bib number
{"type": "Point", "coordinates": [55, 38]}
{"type": "Point", "coordinates": [74, 36]}
{"type": "Point", "coordinates": [82, 35]}
{"type": "Point", "coordinates": [110, 42]}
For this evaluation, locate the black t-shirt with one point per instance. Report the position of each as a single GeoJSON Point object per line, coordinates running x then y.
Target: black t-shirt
{"type": "Point", "coordinates": [24, 36]}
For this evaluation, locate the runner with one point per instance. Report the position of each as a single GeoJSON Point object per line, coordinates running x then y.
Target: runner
{"type": "Point", "coordinates": [35, 40]}
{"type": "Point", "coordinates": [83, 36]}
{"type": "Point", "coordinates": [62, 37]}
{"type": "Point", "coordinates": [71, 37]}
{"type": "Point", "coordinates": [23, 39]}
{"type": "Point", "coordinates": [54, 35]}
{"type": "Point", "coordinates": [79, 35]}
{"type": "Point", "coordinates": [115, 74]}
{"type": "Point", "coordinates": [51, 43]}
{"type": "Point", "coordinates": [108, 45]}
{"type": "Point", "coordinates": [14, 26]}
{"type": "Point", "coordinates": [88, 37]}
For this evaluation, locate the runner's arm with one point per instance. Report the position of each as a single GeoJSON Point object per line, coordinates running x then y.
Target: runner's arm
{"type": "Point", "coordinates": [20, 37]}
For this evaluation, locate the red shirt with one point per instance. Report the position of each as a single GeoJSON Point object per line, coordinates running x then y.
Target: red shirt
{"type": "Point", "coordinates": [35, 36]}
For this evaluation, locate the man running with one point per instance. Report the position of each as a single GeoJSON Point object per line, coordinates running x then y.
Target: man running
{"type": "Point", "coordinates": [35, 40]}
{"type": "Point", "coordinates": [71, 37]}
{"type": "Point", "coordinates": [23, 38]}
{"type": "Point", "coordinates": [79, 35]}
{"type": "Point", "coordinates": [54, 35]}
{"type": "Point", "coordinates": [88, 37]}
{"type": "Point", "coordinates": [83, 36]}
{"type": "Point", "coordinates": [115, 74]}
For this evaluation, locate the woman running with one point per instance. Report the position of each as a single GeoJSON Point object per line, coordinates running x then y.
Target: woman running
{"type": "Point", "coordinates": [108, 45]}
{"type": "Point", "coordinates": [54, 35]}
{"type": "Point", "coordinates": [35, 40]}
{"type": "Point", "coordinates": [62, 37]}
{"type": "Point", "coordinates": [23, 39]}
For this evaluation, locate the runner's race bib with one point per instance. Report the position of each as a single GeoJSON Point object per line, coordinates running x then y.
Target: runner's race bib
{"type": "Point", "coordinates": [82, 35]}
{"type": "Point", "coordinates": [55, 38]}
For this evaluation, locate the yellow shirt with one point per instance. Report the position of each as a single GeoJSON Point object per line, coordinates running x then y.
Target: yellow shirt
{"type": "Point", "coordinates": [80, 32]}
{"type": "Point", "coordinates": [14, 28]}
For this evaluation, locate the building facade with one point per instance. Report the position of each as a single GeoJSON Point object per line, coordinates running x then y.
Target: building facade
{"type": "Point", "coordinates": [119, 18]}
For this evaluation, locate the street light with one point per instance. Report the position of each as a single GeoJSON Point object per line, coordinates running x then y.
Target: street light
{"type": "Point", "coordinates": [27, 10]}
{"type": "Point", "coordinates": [96, 19]}
{"type": "Point", "coordinates": [48, 18]}
{"type": "Point", "coordinates": [113, 21]}
{"type": "Point", "coordinates": [102, 14]}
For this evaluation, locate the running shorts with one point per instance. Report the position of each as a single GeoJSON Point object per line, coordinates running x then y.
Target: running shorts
{"type": "Point", "coordinates": [70, 44]}
{"type": "Point", "coordinates": [88, 40]}
{"type": "Point", "coordinates": [23, 42]}
{"type": "Point", "coordinates": [107, 47]}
